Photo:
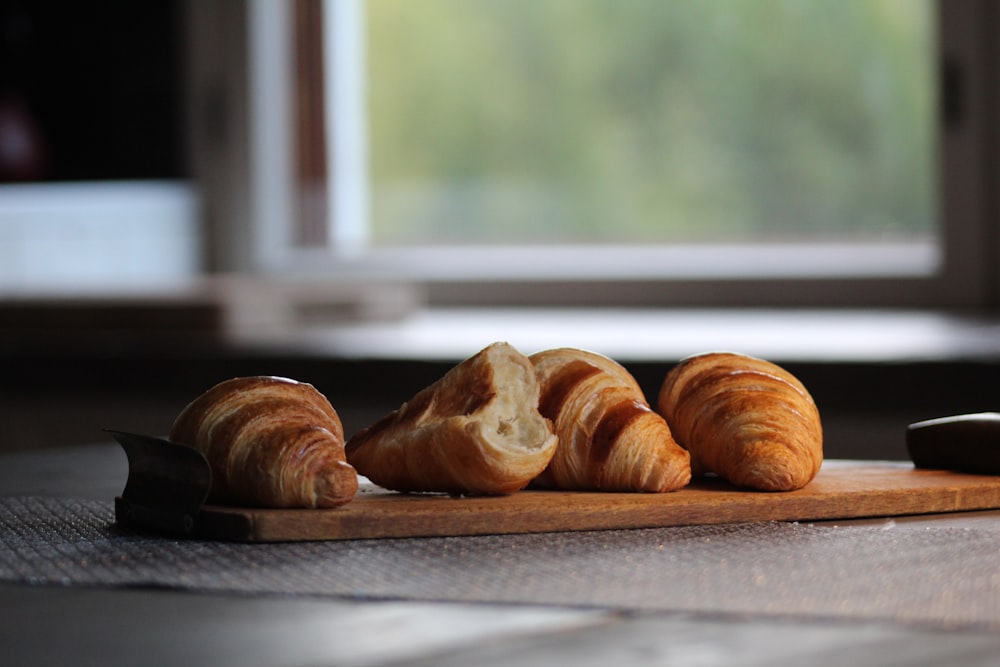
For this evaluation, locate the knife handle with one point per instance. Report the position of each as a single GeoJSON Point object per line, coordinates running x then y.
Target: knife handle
{"type": "Point", "coordinates": [964, 443]}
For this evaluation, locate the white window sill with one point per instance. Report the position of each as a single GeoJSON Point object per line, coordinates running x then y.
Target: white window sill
{"type": "Point", "coordinates": [390, 322]}
{"type": "Point", "coordinates": [656, 335]}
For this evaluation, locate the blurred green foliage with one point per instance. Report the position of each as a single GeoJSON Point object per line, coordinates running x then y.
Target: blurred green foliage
{"type": "Point", "coordinates": [651, 121]}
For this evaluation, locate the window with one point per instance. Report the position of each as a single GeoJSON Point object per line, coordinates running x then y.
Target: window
{"type": "Point", "coordinates": [607, 153]}
{"type": "Point", "coordinates": [649, 122]}
{"type": "Point", "coordinates": [92, 195]}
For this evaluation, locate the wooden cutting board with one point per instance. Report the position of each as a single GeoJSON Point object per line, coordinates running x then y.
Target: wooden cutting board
{"type": "Point", "coordinates": [842, 490]}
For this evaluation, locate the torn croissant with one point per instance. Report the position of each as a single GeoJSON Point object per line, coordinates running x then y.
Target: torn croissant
{"type": "Point", "coordinates": [476, 431]}
{"type": "Point", "coordinates": [745, 419]}
{"type": "Point", "coordinates": [609, 437]}
{"type": "Point", "coordinates": [270, 442]}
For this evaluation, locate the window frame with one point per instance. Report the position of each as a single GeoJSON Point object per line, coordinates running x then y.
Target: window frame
{"type": "Point", "coordinates": [240, 108]}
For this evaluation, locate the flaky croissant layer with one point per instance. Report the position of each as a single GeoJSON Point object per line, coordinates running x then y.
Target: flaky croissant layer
{"type": "Point", "coordinates": [271, 442]}
{"type": "Point", "coordinates": [609, 438]}
{"type": "Point", "coordinates": [745, 419]}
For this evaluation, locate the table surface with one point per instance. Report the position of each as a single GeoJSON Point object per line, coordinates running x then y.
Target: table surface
{"type": "Point", "coordinates": [90, 626]}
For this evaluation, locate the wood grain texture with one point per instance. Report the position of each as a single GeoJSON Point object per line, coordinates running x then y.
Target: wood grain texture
{"type": "Point", "coordinates": [842, 490]}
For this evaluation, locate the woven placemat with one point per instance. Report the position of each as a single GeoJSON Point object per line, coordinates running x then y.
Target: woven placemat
{"type": "Point", "coordinates": [940, 577]}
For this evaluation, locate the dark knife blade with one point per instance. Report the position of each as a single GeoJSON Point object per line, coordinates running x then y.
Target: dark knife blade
{"type": "Point", "coordinates": [967, 443]}
{"type": "Point", "coordinates": [167, 484]}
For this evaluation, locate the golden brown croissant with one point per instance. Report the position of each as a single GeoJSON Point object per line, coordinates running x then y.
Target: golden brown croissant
{"type": "Point", "coordinates": [745, 419]}
{"type": "Point", "coordinates": [609, 438]}
{"type": "Point", "coordinates": [476, 430]}
{"type": "Point", "coordinates": [270, 442]}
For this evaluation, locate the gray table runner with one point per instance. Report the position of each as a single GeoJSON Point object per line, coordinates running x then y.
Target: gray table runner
{"type": "Point", "coordinates": [935, 576]}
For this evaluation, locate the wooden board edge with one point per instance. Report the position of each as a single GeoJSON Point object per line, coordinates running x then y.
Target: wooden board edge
{"type": "Point", "coordinates": [348, 523]}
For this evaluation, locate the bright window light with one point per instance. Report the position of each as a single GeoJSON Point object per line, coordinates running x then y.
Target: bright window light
{"type": "Point", "coordinates": [649, 122]}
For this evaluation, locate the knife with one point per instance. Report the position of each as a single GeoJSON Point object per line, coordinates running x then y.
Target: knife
{"type": "Point", "coordinates": [967, 443]}
{"type": "Point", "coordinates": [167, 484]}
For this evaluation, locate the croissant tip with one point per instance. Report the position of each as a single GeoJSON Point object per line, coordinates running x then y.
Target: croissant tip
{"type": "Point", "coordinates": [337, 487]}
{"type": "Point", "coordinates": [774, 473]}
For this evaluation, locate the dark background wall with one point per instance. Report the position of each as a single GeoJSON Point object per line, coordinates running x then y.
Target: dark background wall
{"type": "Point", "coordinates": [98, 85]}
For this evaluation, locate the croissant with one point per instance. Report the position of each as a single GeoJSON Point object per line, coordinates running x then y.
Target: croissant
{"type": "Point", "coordinates": [745, 419]}
{"type": "Point", "coordinates": [270, 442]}
{"type": "Point", "coordinates": [476, 430]}
{"type": "Point", "coordinates": [609, 437]}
